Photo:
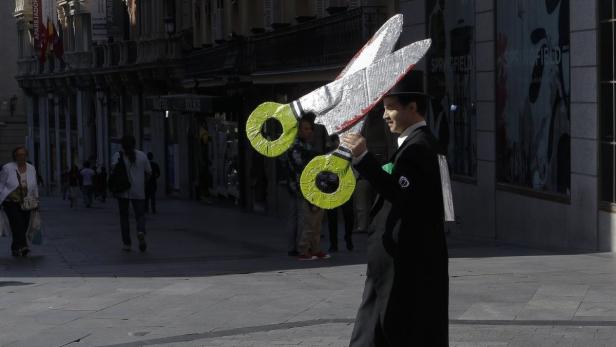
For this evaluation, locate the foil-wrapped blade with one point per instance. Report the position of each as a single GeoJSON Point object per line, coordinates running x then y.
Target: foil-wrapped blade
{"type": "Point", "coordinates": [381, 44]}
{"type": "Point", "coordinates": [342, 104]}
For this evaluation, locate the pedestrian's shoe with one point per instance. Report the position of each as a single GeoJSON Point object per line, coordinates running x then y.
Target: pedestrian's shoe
{"type": "Point", "coordinates": [322, 255]}
{"type": "Point", "coordinates": [306, 257]}
{"type": "Point", "coordinates": [15, 253]}
{"type": "Point", "coordinates": [142, 245]}
{"type": "Point", "coordinates": [349, 243]}
{"type": "Point", "coordinates": [24, 252]}
{"type": "Point", "coordinates": [293, 253]}
{"type": "Point", "coordinates": [333, 249]}
{"type": "Point", "coordinates": [126, 248]}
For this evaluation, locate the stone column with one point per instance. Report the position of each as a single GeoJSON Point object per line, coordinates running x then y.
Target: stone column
{"type": "Point", "coordinates": [30, 119]}
{"type": "Point", "coordinates": [582, 218]}
{"type": "Point", "coordinates": [67, 121]}
{"type": "Point", "coordinates": [44, 167]}
{"type": "Point", "coordinates": [81, 120]}
{"type": "Point", "coordinates": [101, 102]}
{"type": "Point", "coordinates": [58, 152]}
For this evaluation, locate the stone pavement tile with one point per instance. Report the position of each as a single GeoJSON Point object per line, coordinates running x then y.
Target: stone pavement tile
{"type": "Point", "coordinates": [605, 310]}
{"type": "Point", "coordinates": [493, 311]}
{"type": "Point", "coordinates": [554, 308]}
{"type": "Point", "coordinates": [562, 290]}
{"type": "Point", "coordinates": [597, 294]}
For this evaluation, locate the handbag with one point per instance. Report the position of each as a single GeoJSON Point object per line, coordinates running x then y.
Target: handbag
{"type": "Point", "coordinates": [118, 179]}
{"type": "Point", "coordinates": [28, 203]}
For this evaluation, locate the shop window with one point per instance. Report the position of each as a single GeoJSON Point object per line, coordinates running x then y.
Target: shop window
{"type": "Point", "coordinates": [533, 96]}
{"type": "Point", "coordinates": [607, 94]}
{"type": "Point", "coordinates": [451, 82]}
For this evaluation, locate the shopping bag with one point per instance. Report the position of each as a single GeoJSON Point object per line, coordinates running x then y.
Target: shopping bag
{"type": "Point", "coordinates": [34, 233]}
{"type": "Point", "coordinates": [5, 229]}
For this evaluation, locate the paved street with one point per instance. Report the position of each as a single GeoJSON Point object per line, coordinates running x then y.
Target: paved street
{"type": "Point", "coordinates": [215, 276]}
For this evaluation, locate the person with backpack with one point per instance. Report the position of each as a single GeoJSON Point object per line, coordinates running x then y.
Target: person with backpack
{"type": "Point", "coordinates": [130, 170]}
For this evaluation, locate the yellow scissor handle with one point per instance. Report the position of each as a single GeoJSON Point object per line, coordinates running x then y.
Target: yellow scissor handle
{"type": "Point", "coordinates": [328, 163]}
{"type": "Point", "coordinates": [254, 125]}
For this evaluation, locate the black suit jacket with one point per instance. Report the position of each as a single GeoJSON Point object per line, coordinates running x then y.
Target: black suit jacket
{"type": "Point", "coordinates": [407, 251]}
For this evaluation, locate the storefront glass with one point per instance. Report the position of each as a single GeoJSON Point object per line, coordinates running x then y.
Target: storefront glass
{"type": "Point", "coordinates": [451, 81]}
{"type": "Point", "coordinates": [532, 95]}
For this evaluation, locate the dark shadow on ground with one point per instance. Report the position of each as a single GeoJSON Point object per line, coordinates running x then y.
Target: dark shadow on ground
{"type": "Point", "coordinates": [192, 239]}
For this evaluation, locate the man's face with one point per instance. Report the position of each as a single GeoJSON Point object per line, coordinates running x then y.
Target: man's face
{"type": "Point", "coordinates": [305, 131]}
{"type": "Point", "coordinates": [396, 116]}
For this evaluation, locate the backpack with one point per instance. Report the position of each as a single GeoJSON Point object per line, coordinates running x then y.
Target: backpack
{"type": "Point", "coordinates": [118, 179]}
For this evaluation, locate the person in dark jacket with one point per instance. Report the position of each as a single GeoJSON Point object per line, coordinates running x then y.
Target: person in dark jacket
{"type": "Point", "coordinates": [151, 185]}
{"type": "Point", "coordinates": [405, 300]}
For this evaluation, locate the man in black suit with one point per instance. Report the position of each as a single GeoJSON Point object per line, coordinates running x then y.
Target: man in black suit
{"type": "Point", "coordinates": [405, 301]}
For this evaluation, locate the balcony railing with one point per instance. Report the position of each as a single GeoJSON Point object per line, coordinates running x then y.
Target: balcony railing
{"type": "Point", "coordinates": [328, 41]}
{"type": "Point", "coordinates": [78, 60]}
{"type": "Point", "coordinates": [27, 67]}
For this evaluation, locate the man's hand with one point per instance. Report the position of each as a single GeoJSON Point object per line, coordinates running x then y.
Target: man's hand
{"type": "Point", "coordinates": [356, 143]}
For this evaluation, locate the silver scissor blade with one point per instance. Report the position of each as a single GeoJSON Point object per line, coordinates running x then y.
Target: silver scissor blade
{"type": "Point", "coordinates": [379, 45]}
{"type": "Point", "coordinates": [343, 103]}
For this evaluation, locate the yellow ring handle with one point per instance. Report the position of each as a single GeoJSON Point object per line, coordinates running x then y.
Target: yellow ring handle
{"type": "Point", "coordinates": [327, 163]}
{"type": "Point", "coordinates": [259, 116]}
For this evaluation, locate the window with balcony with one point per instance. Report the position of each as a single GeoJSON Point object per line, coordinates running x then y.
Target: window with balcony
{"type": "Point", "coordinates": [607, 85]}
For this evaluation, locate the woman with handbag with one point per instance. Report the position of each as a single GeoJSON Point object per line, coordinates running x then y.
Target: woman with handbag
{"type": "Point", "coordinates": [19, 197]}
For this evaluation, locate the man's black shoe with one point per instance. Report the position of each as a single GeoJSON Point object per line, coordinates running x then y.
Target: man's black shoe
{"type": "Point", "coordinates": [293, 253]}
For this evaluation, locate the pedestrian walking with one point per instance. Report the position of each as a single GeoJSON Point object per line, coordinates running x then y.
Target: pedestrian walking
{"type": "Point", "coordinates": [64, 184]}
{"type": "Point", "coordinates": [330, 184]}
{"type": "Point", "coordinates": [135, 167]}
{"type": "Point", "coordinates": [405, 300]}
{"type": "Point", "coordinates": [87, 184]}
{"type": "Point", "coordinates": [304, 218]}
{"type": "Point", "coordinates": [100, 184]}
{"type": "Point", "coordinates": [332, 223]}
{"type": "Point", "coordinates": [19, 197]}
{"type": "Point", "coordinates": [74, 182]}
{"type": "Point", "coordinates": [151, 185]}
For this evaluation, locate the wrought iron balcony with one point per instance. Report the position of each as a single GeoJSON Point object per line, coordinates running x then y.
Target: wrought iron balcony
{"type": "Point", "coordinates": [27, 67]}
{"type": "Point", "coordinates": [78, 60]}
{"type": "Point", "coordinates": [328, 41]}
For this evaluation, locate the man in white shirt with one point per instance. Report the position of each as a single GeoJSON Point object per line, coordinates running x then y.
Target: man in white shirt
{"type": "Point", "coordinates": [87, 184]}
{"type": "Point", "coordinates": [138, 169]}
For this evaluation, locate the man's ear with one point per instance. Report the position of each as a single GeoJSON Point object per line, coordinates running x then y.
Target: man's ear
{"type": "Point", "coordinates": [412, 107]}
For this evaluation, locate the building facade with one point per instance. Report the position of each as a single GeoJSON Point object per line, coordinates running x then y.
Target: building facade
{"type": "Point", "coordinates": [522, 98]}
{"type": "Point", "coordinates": [87, 68]}
{"type": "Point", "coordinates": [12, 114]}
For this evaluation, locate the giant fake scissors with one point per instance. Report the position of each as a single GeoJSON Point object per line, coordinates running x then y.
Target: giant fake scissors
{"type": "Point", "coordinates": [341, 106]}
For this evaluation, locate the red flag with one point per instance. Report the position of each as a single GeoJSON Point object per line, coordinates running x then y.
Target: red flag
{"type": "Point", "coordinates": [42, 43]}
{"type": "Point", "coordinates": [51, 34]}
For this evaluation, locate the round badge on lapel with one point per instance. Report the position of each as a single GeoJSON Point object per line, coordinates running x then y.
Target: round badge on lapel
{"type": "Point", "coordinates": [404, 182]}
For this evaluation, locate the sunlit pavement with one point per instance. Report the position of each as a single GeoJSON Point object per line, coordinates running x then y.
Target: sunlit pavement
{"type": "Point", "coordinates": [216, 276]}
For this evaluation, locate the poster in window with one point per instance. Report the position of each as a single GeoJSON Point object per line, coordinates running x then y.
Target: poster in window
{"type": "Point", "coordinates": [532, 95]}
{"type": "Point", "coordinates": [451, 81]}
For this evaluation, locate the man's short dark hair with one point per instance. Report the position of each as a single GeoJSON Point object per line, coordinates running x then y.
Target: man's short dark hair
{"type": "Point", "coordinates": [418, 99]}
